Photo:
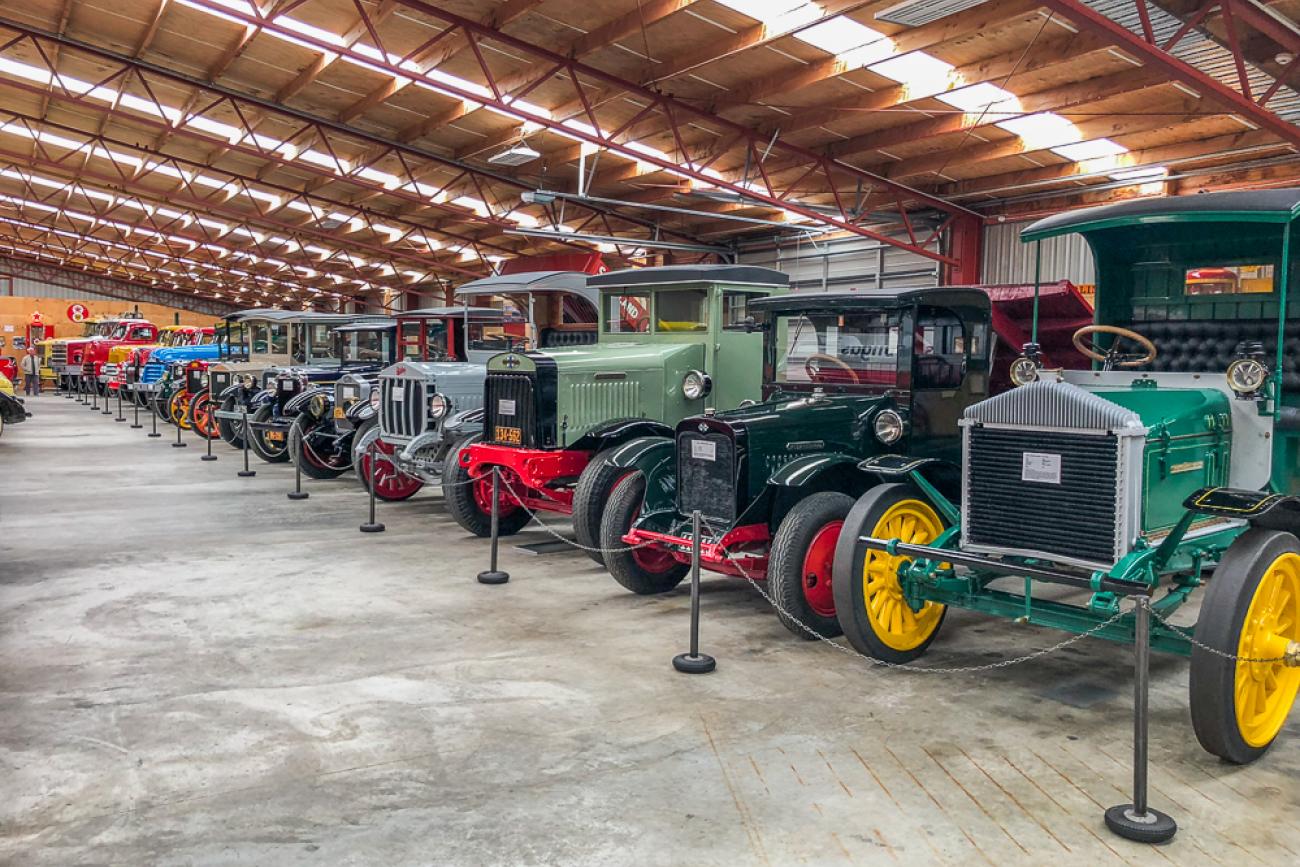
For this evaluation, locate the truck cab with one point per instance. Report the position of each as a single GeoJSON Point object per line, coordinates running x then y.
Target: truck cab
{"type": "Point", "coordinates": [847, 376]}
{"type": "Point", "coordinates": [672, 343]}
{"type": "Point", "coordinates": [94, 353]}
{"type": "Point", "coordinates": [425, 408]}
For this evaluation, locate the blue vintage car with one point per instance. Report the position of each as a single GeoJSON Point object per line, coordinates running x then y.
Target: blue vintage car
{"type": "Point", "coordinates": [147, 382]}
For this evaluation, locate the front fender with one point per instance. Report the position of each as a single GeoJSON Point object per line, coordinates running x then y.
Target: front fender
{"type": "Point", "coordinates": [298, 402]}
{"type": "Point", "coordinates": [261, 399]}
{"type": "Point", "coordinates": [1259, 508]}
{"type": "Point", "coordinates": [360, 412]}
{"type": "Point", "coordinates": [642, 453]}
{"type": "Point", "coordinates": [464, 423]}
{"type": "Point", "coordinates": [613, 433]}
{"type": "Point", "coordinates": [802, 471]}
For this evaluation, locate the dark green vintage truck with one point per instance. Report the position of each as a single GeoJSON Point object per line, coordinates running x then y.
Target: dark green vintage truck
{"type": "Point", "coordinates": [847, 376]}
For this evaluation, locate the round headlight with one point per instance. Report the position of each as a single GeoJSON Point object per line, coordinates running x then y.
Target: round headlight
{"type": "Point", "coordinates": [374, 398]}
{"type": "Point", "coordinates": [247, 380]}
{"type": "Point", "coordinates": [888, 427]}
{"type": "Point", "coordinates": [439, 406]}
{"type": "Point", "coordinates": [316, 406]}
{"type": "Point", "coordinates": [696, 385]}
{"type": "Point", "coordinates": [1247, 375]}
{"type": "Point", "coordinates": [1024, 371]}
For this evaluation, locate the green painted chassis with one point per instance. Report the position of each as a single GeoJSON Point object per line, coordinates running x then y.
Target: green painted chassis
{"type": "Point", "coordinates": [1176, 563]}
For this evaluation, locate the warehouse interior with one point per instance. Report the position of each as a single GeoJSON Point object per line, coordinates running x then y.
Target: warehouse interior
{"type": "Point", "coordinates": [299, 565]}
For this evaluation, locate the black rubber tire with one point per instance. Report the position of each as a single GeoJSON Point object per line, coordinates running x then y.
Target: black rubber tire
{"type": "Point", "coordinates": [861, 520]}
{"type": "Point", "coordinates": [257, 440]}
{"type": "Point", "coordinates": [620, 511]}
{"type": "Point", "coordinates": [230, 430]}
{"type": "Point", "coordinates": [785, 565]}
{"type": "Point", "coordinates": [296, 448]}
{"type": "Point", "coordinates": [160, 400]}
{"type": "Point", "coordinates": [363, 430]}
{"type": "Point", "coordinates": [459, 497]}
{"type": "Point", "coordinates": [594, 487]}
{"type": "Point", "coordinates": [1212, 679]}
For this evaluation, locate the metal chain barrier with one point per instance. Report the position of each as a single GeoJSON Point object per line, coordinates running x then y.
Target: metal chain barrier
{"type": "Point", "coordinates": [571, 542]}
{"type": "Point", "coordinates": [1231, 657]}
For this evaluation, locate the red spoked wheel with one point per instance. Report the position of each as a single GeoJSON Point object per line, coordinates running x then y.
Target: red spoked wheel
{"type": "Point", "coordinates": [506, 503]}
{"type": "Point", "coordinates": [391, 484]}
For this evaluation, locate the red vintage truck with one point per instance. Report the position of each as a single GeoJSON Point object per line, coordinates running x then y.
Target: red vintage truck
{"type": "Point", "coordinates": [93, 352]}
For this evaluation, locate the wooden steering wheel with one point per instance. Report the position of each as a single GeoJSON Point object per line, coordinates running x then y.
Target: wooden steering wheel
{"type": "Point", "coordinates": [812, 366]}
{"type": "Point", "coordinates": [1113, 357]}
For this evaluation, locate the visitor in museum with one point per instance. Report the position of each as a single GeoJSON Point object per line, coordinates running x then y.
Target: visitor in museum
{"type": "Point", "coordinates": [31, 365]}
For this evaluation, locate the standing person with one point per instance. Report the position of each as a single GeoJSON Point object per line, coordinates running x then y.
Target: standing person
{"type": "Point", "coordinates": [31, 365]}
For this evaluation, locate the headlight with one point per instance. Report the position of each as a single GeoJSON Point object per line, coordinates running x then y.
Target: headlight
{"type": "Point", "coordinates": [1247, 376]}
{"type": "Point", "coordinates": [248, 381]}
{"type": "Point", "coordinates": [316, 406]}
{"type": "Point", "coordinates": [888, 427]}
{"type": "Point", "coordinates": [374, 398]}
{"type": "Point", "coordinates": [439, 406]}
{"type": "Point", "coordinates": [696, 385]}
{"type": "Point", "coordinates": [1024, 371]}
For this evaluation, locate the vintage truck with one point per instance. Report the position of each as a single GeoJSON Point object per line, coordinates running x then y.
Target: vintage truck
{"type": "Point", "coordinates": [847, 376]}
{"type": "Point", "coordinates": [66, 354]}
{"type": "Point", "coordinates": [673, 340]}
{"type": "Point", "coordinates": [431, 341]}
{"type": "Point", "coordinates": [1171, 464]}
{"type": "Point", "coordinates": [269, 340]}
{"type": "Point", "coordinates": [94, 352]}
{"type": "Point", "coordinates": [358, 345]}
{"type": "Point", "coordinates": [543, 309]}
{"type": "Point", "coordinates": [126, 359]}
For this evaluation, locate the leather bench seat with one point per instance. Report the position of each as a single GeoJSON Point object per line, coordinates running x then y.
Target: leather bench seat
{"type": "Point", "coordinates": [1210, 345]}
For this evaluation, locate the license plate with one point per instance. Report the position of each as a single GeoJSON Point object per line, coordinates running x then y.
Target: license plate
{"type": "Point", "coordinates": [275, 436]}
{"type": "Point", "coordinates": [340, 412]}
{"type": "Point", "coordinates": [512, 435]}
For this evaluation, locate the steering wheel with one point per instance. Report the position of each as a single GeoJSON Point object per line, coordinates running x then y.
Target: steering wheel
{"type": "Point", "coordinates": [1113, 357]}
{"type": "Point", "coordinates": [812, 366]}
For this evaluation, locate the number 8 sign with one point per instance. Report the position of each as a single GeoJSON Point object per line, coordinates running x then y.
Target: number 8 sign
{"type": "Point", "coordinates": [78, 312]}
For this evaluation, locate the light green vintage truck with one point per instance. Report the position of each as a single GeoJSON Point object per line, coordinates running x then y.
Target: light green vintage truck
{"type": "Point", "coordinates": [674, 341]}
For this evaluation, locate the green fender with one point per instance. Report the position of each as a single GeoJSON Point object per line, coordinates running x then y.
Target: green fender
{"type": "Point", "coordinates": [801, 471]}
{"type": "Point", "coordinates": [655, 457]}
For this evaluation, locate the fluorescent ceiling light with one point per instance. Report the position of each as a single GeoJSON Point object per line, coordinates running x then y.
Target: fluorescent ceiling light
{"type": "Point", "coordinates": [1146, 173]}
{"type": "Point", "coordinates": [1090, 150]}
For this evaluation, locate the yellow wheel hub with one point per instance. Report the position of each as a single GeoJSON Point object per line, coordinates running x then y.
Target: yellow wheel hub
{"type": "Point", "coordinates": [1264, 691]}
{"type": "Point", "coordinates": [892, 620]}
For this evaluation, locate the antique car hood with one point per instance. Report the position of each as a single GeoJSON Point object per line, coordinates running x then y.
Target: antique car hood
{"type": "Point", "coordinates": [168, 354]}
{"type": "Point", "coordinates": [447, 377]}
{"type": "Point", "coordinates": [1171, 411]}
{"type": "Point", "coordinates": [834, 422]}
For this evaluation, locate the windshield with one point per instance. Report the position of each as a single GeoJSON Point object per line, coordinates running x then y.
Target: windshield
{"type": "Point", "coordinates": [268, 338]}
{"type": "Point", "coordinates": [681, 310]}
{"type": "Point", "coordinates": [839, 349]}
{"type": "Point", "coordinates": [490, 336]}
{"type": "Point", "coordinates": [119, 332]}
{"type": "Point", "coordinates": [361, 346]}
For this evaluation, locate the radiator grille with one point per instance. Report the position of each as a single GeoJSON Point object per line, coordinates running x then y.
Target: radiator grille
{"type": "Point", "coordinates": [403, 416]}
{"type": "Point", "coordinates": [58, 355]}
{"type": "Point", "coordinates": [219, 382]}
{"type": "Point", "coordinates": [509, 401]}
{"type": "Point", "coordinates": [704, 484]}
{"type": "Point", "coordinates": [1078, 518]}
{"type": "Point", "coordinates": [153, 371]}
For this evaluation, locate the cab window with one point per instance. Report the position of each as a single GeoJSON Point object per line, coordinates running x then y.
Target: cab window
{"type": "Point", "coordinates": [319, 344]}
{"type": "Point", "coordinates": [838, 349]}
{"type": "Point", "coordinates": [627, 314]}
{"type": "Point", "coordinates": [409, 339]}
{"type": "Point", "coordinates": [436, 343]}
{"type": "Point", "coordinates": [490, 337]}
{"type": "Point", "coordinates": [268, 338]}
{"type": "Point", "coordinates": [939, 349]}
{"type": "Point", "coordinates": [360, 345]}
{"type": "Point", "coordinates": [735, 308]}
{"type": "Point", "coordinates": [682, 310]}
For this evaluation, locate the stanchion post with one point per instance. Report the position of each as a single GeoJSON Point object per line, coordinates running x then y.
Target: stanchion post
{"type": "Point", "coordinates": [1138, 821]}
{"type": "Point", "coordinates": [298, 493]}
{"type": "Point", "coordinates": [120, 417]}
{"type": "Point", "coordinates": [94, 395]}
{"type": "Point", "coordinates": [372, 526]}
{"type": "Point", "coordinates": [135, 402]}
{"type": "Point", "coordinates": [106, 411]}
{"type": "Point", "coordinates": [493, 575]}
{"type": "Point", "coordinates": [178, 444]}
{"type": "Point", "coordinates": [75, 388]}
{"type": "Point", "coordinates": [246, 473]}
{"type": "Point", "coordinates": [208, 455]}
{"type": "Point", "coordinates": [153, 419]}
{"type": "Point", "coordinates": [695, 662]}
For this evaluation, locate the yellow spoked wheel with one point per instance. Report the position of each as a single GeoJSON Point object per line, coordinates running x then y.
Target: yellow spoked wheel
{"type": "Point", "coordinates": [1252, 610]}
{"type": "Point", "coordinates": [869, 601]}
{"type": "Point", "coordinates": [178, 409]}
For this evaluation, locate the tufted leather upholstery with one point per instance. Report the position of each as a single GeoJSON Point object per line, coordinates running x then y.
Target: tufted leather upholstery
{"type": "Point", "coordinates": [552, 339]}
{"type": "Point", "coordinates": [1202, 346]}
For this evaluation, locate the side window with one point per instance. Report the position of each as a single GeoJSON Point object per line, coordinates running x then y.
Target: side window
{"type": "Point", "coordinates": [682, 310]}
{"type": "Point", "coordinates": [939, 349]}
{"type": "Point", "coordinates": [625, 314]}
{"type": "Point", "coordinates": [735, 308]}
{"type": "Point", "coordinates": [280, 338]}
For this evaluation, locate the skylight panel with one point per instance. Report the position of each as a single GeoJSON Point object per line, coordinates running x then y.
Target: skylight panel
{"type": "Point", "coordinates": [1090, 150]}
{"type": "Point", "coordinates": [777, 16]}
{"type": "Point", "coordinates": [982, 96]}
{"type": "Point", "coordinates": [838, 35]}
{"type": "Point", "coordinates": [1042, 130]}
{"type": "Point", "coordinates": [917, 71]}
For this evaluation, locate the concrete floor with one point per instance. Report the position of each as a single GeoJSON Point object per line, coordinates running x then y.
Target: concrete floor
{"type": "Point", "coordinates": [195, 670]}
